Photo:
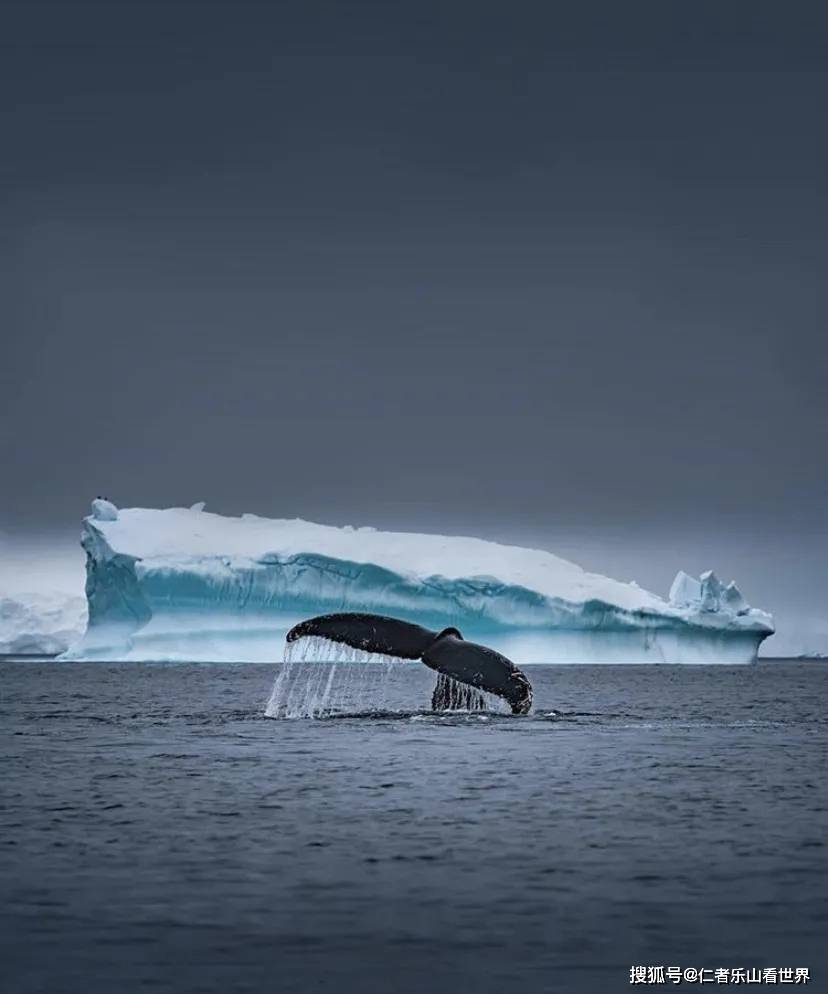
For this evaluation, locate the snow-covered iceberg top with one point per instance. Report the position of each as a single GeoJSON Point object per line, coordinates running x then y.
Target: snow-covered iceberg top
{"type": "Point", "coordinates": [178, 574]}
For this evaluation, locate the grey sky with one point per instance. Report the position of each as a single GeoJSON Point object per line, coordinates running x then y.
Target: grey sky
{"type": "Point", "coordinates": [545, 272]}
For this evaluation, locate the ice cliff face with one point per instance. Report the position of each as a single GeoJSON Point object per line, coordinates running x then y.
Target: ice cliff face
{"type": "Point", "coordinates": [183, 583]}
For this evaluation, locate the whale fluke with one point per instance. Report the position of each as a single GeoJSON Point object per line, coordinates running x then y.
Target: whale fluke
{"type": "Point", "coordinates": [447, 652]}
{"type": "Point", "coordinates": [369, 632]}
{"type": "Point", "coordinates": [481, 667]}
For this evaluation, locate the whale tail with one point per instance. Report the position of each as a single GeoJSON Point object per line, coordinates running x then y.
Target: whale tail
{"type": "Point", "coordinates": [466, 666]}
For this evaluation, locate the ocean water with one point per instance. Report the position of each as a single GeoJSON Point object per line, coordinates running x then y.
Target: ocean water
{"type": "Point", "coordinates": [159, 833]}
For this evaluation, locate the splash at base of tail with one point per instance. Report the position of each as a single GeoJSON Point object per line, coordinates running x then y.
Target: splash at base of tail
{"type": "Point", "coordinates": [463, 666]}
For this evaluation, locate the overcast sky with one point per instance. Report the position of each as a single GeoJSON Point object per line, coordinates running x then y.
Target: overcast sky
{"type": "Point", "coordinates": [546, 272]}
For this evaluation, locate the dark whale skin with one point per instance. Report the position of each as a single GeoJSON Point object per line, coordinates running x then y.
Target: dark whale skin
{"type": "Point", "coordinates": [370, 632]}
{"type": "Point", "coordinates": [481, 667]}
{"type": "Point", "coordinates": [446, 652]}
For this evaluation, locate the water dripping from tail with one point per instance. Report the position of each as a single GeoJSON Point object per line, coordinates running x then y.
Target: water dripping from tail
{"type": "Point", "coordinates": [320, 678]}
{"type": "Point", "coordinates": [451, 695]}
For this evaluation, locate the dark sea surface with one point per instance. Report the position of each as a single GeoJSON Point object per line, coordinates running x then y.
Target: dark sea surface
{"type": "Point", "coordinates": [159, 833]}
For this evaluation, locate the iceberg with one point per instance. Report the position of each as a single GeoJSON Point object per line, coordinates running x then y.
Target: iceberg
{"type": "Point", "coordinates": [43, 624]}
{"type": "Point", "coordinates": [183, 583]}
